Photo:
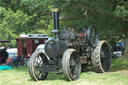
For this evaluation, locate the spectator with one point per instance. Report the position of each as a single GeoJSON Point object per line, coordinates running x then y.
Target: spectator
{"type": "Point", "coordinates": [9, 61]}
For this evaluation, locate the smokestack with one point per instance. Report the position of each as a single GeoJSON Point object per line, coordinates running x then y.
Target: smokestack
{"type": "Point", "coordinates": [55, 15]}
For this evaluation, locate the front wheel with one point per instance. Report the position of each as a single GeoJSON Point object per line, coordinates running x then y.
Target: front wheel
{"type": "Point", "coordinates": [37, 60]}
{"type": "Point", "coordinates": [71, 65]}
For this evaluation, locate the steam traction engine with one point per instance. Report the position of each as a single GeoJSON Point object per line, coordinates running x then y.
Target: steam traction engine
{"type": "Point", "coordinates": [70, 53]}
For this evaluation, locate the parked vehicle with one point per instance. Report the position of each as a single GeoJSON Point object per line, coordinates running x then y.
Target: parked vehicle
{"type": "Point", "coordinates": [118, 50]}
{"type": "Point", "coordinates": [12, 53]}
{"type": "Point", "coordinates": [27, 44]}
{"type": "Point", "coordinates": [3, 53]}
{"type": "Point", "coordinates": [70, 52]}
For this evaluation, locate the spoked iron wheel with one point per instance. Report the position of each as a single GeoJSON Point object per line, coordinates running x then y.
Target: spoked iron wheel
{"type": "Point", "coordinates": [101, 57]}
{"type": "Point", "coordinates": [71, 65]}
{"type": "Point", "coordinates": [37, 60]}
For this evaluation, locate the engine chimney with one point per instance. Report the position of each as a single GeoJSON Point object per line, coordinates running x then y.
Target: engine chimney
{"type": "Point", "coordinates": [55, 15]}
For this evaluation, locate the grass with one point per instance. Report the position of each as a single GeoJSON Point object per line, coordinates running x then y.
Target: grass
{"type": "Point", "coordinates": [118, 75]}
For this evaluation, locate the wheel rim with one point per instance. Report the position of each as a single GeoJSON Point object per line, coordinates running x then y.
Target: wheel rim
{"type": "Point", "coordinates": [71, 65]}
{"type": "Point", "coordinates": [105, 57]}
{"type": "Point", "coordinates": [101, 57]}
{"type": "Point", "coordinates": [39, 61]}
{"type": "Point", "coordinates": [74, 66]}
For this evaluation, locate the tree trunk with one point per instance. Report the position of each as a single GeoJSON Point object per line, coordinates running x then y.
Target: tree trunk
{"type": "Point", "coordinates": [126, 48]}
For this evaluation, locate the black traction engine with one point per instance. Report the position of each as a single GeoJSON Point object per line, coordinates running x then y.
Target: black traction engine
{"type": "Point", "coordinates": [70, 53]}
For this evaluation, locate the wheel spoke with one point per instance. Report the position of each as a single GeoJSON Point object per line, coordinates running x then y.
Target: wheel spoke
{"type": "Point", "coordinates": [74, 66]}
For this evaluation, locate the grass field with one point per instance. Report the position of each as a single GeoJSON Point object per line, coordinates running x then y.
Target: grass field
{"type": "Point", "coordinates": [118, 75]}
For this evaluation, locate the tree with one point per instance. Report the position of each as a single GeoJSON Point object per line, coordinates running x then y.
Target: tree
{"type": "Point", "coordinates": [23, 16]}
{"type": "Point", "coordinates": [109, 16]}
{"type": "Point", "coordinates": [121, 11]}
{"type": "Point", "coordinates": [15, 23]}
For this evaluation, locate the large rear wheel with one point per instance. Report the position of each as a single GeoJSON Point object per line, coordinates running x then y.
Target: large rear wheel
{"type": "Point", "coordinates": [101, 57]}
{"type": "Point", "coordinates": [37, 60]}
{"type": "Point", "coordinates": [71, 65]}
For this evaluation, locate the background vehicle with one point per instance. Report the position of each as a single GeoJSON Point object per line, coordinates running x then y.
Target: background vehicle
{"type": "Point", "coordinates": [12, 53]}
{"type": "Point", "coordinates": [26, 44]}
{"type": "Point", "coordinates": [118, 49]}
{"type": "Point", "coordinates": [3, 53]}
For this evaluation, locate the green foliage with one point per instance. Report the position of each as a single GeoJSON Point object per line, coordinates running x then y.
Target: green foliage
{"type": "Point", "coordinates": [34, 16]}
{"type": "Point", "coordinates": [99, 13]}
{"type": "Point", "coordinates": [121, 11]}
{"type": "Point", "coordinates": [15, 23]}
